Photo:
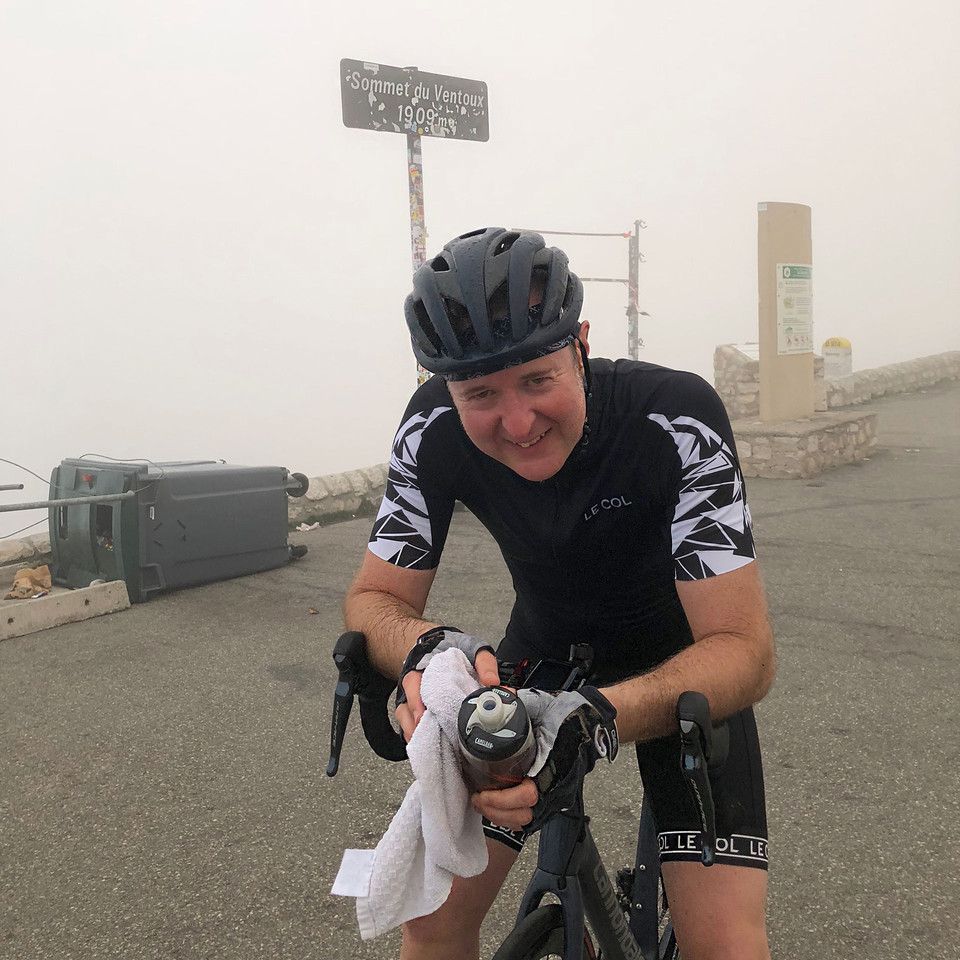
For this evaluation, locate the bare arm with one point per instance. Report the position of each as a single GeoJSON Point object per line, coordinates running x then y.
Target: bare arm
{"type": "Point", "coordinates": [732, 660]}
{"type": "Point", "coordinates": [386, 604]}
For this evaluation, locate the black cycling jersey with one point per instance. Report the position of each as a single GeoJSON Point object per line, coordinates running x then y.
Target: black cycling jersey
{"type": "Point", "coordinates": [652, 494]}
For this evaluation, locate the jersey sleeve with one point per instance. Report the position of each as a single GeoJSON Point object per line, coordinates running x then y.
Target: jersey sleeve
{"type": "Point", "coordinates": [711, 529]}
{"type": "Point", "coordinates": [414, 517]}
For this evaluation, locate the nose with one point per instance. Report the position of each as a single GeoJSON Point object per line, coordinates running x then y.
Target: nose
{"type": "Point", "coordinates": [516, 417]}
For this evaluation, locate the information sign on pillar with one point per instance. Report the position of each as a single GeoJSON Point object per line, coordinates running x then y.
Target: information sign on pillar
{"type": "Point", "coordinates": [376, 96]}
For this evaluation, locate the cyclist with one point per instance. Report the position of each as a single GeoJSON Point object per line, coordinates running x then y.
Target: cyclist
{"type": "Point", "coordinates": [615, 496]}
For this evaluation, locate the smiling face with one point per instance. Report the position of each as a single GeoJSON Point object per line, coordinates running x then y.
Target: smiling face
{"type": "Point", "coordinates": [528, 417]}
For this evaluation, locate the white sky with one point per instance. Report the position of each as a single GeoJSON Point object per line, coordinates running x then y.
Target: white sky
{"type": "Point", "coordinates": [197, 260]}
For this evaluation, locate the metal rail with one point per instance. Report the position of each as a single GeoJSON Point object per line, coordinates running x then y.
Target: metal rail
{"type": "Point", "coordinates": [69, 502]}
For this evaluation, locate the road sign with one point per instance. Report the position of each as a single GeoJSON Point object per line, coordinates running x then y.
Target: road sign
{"type": "Point", "coordinates": [405, 100]}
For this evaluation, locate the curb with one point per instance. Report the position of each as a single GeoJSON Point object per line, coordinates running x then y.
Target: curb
{"type": "Point", "coordinates": [21, 617]}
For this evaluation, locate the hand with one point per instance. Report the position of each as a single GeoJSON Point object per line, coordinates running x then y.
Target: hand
{"type": "Point", "coordinates": [410, 706]}
{"type": "Point", "coordinates": [511, 807]}
{"type": "Point", "coordinates": [576, 728]}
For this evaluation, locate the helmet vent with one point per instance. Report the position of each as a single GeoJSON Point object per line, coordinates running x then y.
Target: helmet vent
{"type": "Point", "coordinates": [439, 263]}
{"type": "Point", "coordinates": [429, 330]}
{"type": "Point", "coordinates": [506, 242]}
{"type": "Point", "coordinates": [460, 323]}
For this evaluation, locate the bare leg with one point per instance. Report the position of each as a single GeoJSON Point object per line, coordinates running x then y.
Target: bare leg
{"type": "Point", "coordinates": [453, 931]}
{"type": "Point", "coordinates": [718, 912]}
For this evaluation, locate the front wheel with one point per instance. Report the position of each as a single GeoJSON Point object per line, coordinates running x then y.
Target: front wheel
{"type": "Point", "coordinates": [540, 935]}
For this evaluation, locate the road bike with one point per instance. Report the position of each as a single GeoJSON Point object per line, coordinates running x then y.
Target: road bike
{"type": "Point", "coordinates": [592, 917]}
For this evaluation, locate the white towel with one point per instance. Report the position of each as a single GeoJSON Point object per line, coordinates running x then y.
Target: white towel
{"type": "Point", "coordinates": [436, 834]}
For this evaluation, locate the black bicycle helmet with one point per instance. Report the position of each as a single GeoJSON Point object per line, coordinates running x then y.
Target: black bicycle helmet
{"type": "Point", "coordinates": [469, 313]}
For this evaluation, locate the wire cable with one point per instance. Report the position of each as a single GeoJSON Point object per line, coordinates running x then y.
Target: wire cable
{"type": "Point", "coordinates": [22, 467]}
{"type": "Point", "coordinates": [59, 489]}
{"type": "Point", "coordinates": [36, 523]}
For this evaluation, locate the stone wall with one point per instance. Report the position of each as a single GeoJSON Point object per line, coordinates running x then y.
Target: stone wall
{"type": "Point", "coordinates": [865, 385]}
{"type": "Point", "coordinates": [31, 551]}
{"type": "Point", "coordinates": [803, 448]}
{"type": "Point", "coordinates": [737, 379]}
{"type": "Point", "coordinates": [340, 496]}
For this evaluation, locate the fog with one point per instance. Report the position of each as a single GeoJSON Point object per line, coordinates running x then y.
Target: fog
{"type": "Point", "coordinates": [198, 260]}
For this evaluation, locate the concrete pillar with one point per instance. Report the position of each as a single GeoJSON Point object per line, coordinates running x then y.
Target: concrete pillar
{"type": "Point", "coordinates": [785, 311]}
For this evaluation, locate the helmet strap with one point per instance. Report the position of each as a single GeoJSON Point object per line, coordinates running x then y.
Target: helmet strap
{"type": "Point", "coordinates": [587, 390]}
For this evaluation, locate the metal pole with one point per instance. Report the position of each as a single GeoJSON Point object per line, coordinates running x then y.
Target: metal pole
{"type": "Point", "coordinates": [11, 486]}
{"type": "Point", "coordinates": [634, 257]}
{"type": "Point", "coordinates": [418, 229]}
{"type": "Point", "coordinates": [69, 502]}
{"type": "Point", "coordinates": [633, 280]}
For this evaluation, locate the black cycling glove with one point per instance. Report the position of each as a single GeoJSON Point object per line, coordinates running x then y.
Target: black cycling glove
{"type": "Point", "coordinates": [435, 641]}
{"type": "Point", "coordinates": [576, 728]}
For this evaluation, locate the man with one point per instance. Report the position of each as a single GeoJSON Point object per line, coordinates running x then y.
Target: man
{"type": "Point", "coordinates": [614, 494]}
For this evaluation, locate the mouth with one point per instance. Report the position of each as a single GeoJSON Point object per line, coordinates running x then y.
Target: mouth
{"type": "Point", "coordinates": [530, 443]}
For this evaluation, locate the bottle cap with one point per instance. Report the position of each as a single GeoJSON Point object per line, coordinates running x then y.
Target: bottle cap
{"type": "Point", "coordinates": [492, 723]}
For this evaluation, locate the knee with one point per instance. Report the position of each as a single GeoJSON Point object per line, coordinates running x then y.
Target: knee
{"type": "Point", "coordinates": [726, 942]}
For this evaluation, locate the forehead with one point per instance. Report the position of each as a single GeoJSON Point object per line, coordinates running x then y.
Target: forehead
{"type": "Point", "coordinates": [557, 361]}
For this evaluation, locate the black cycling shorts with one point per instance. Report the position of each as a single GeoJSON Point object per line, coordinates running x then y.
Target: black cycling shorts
{"type": "Point", "coordinates": [737, 795]}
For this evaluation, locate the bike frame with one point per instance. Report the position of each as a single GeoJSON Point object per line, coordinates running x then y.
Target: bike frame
{"type": "Point", "coordinates": [570, 868]}
{"type": "Point", "coordinates": [568, 862]}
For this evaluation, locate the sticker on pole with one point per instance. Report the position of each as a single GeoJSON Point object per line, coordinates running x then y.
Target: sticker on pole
{"type": "Point", "coordinates": [376, 96]}
{"type": "Point", "coordinates": [794, 308]}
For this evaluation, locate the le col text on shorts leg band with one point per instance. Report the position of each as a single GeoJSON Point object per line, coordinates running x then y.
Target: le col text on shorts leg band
{"type": "Point", "coordinates": [737, 850]}
{"type": "Point", "coordinates": [509, 838]}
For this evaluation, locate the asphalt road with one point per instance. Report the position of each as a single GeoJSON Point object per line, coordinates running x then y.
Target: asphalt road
{"type": "Point", "coordinates": [162, 791]}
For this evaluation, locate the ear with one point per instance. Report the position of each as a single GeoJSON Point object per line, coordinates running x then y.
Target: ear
{"type": "Point", "coordinates": [584, 333]}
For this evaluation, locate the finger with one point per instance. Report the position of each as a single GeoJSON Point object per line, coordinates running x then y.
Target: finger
{"type": "Point", "coordinates": [405, 718]}
{"type": "Point", "coordinates": [523, 795]}
{"type": "Point", "coordinates": [408, 714]}
{"type": "Point", "coordinates": [487, 670]}
{"type": "Point", "coordinates": [411, 687]}
{"type": "Point", "coordinates": [511, 817]}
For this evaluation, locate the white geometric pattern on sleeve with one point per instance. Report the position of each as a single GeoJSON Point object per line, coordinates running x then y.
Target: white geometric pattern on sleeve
{"type": "Point", "coordinates": [711, 530]}
{"type": "Point", "coordinates": [401, 534]}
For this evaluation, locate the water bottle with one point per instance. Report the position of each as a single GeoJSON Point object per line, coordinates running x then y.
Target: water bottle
{"type": "Point", "coordinates": [497, 744]}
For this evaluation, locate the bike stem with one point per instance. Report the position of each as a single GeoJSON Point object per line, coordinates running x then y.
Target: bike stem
{"type": "Point", "coordinates": [570, 868]}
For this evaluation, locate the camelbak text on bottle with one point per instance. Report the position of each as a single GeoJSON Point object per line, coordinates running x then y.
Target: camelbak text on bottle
{"type": "Point", "coordinates": [496, 740]}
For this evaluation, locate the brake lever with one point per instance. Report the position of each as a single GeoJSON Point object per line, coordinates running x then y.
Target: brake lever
{"type": "Point", "coordinates": [697, 750]}
{"type": "Point", "coordinates": [372, 690]}
{"type": "Point", "coordinates": [343, 697]}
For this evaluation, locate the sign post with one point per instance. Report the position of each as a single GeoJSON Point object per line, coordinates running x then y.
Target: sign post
{"type": "Point", "coordinates": [375, 96]}
{"type": "Point", "coordinates": [418, 231]}
{"type": "Point", "coordinates": [785, 282]}
{"type": "Point", "coordinates": [633, 288]}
